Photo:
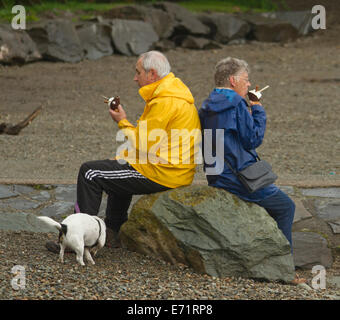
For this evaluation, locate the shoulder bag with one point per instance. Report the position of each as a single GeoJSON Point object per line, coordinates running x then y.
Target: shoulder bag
{"type": "Point", "coordinates": [256, 176]}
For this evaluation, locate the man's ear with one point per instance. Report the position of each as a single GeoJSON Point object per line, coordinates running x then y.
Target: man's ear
{"type": "Point", "coordinates": [153, 74]}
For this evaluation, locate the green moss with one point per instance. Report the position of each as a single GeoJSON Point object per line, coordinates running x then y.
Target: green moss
{"type": "Point", "coordinates": [42, 187]}
{"type": "Point", "coordinates": [193, 196]}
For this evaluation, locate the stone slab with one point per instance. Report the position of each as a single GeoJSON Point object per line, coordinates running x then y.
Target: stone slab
{"type": "Point", "coordinates": [335, 226]}
{"type": "Point", "coordinates": [328, 210]}
{"type": "Point", "coordinates": [287, 189]}
{"type": "Point", "coordinates": [6, 192]}
{"type": "Point", "coordinates": [21, 204]}
{"type": "Point", "coordinates": [310, 249]}
{"type": "Point", "coordinates": [322, 192]}
{"type": "Point", "coordinates": [22, 189]}
{"type": "Point", "coordinates": [66, 193]}
{"type": "Point", "coordinates": [20, 221]}
{"type": "Point", "coordinates": [58, 209]}
{"type": "Point", "coordinates": [42, 196]}
{"type": "Point", "coordinates": [300, 211]}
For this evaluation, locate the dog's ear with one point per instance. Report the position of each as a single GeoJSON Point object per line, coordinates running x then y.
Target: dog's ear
{"type": "Point", "coordinates": [62, 232]}
{"type": "Point", "coordinates": [63, 228]}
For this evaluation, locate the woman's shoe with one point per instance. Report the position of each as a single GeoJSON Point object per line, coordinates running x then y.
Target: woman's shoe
{"type": "Point", "coordinates": [297, 280]}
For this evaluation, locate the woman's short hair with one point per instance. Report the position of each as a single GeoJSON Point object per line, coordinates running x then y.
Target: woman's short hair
{"type": "Point", "coordinates": [157, 61]}
{"type": "Point", "coordinates": [229, 67]}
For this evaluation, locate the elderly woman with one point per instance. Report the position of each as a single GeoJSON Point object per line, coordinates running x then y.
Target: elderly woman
{"type": "Point", "coordinates": [227, 109]}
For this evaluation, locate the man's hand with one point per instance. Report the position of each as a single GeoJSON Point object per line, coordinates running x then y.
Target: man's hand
{"type": "Point", "coordinates": [118, 114]}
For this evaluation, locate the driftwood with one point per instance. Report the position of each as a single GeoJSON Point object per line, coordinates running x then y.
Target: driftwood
{"type": "Point", "coordinates": [7, 128]}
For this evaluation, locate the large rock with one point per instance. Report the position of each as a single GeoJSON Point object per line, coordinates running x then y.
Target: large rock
{"type": "Point", "coordinates": [301, 20]}
{"type": "Point", "coordinates": [270, 30]}
{"type": "Point", "coordinates": [210, 230]}
{"type": "Point", "coordinates": [96, 40]}
{"type": "Point", "coordinates": [159, 19]}
{"type": "Point", "coordinates": [311, 249]}
{"type": "Point", "coordinates": [57, 40]}
{"type": "Point", "coordinates": [183, 21]}
{"type": "Point", "coordinates": [16, 46]}
{"type": "Point", "coordinates": [191, 42]}
{"type": "Point", "coordinates": [225, 27]}
{"type": "Point", "coordinates": [133, 37]}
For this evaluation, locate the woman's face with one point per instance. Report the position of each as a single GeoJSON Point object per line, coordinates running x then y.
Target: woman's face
{"type": "Point", "coordinates": [241, 84]}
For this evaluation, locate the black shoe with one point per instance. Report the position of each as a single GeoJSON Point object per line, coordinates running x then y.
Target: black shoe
{"type": "Point", "coordinates": [52, 246]}
{"type": "Point", "coordinates": [112, 239]}
{"type": "Point", "coordinates": [55, 247]}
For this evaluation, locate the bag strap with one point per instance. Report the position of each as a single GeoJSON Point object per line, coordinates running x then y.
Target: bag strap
{"type": "Point", "coordinates": [255, 156]}
{"type": "Point", "coordinates": [230, 167]}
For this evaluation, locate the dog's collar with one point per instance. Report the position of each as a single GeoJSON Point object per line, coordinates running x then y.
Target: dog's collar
{"type": "Point", "coordinates": [100, 233]}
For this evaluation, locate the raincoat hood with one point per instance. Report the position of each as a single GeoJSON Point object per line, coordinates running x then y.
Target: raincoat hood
{"type": "Point", "coordinates": [220, 100]}
{"type": "Point", "coordinates": [169, 86]}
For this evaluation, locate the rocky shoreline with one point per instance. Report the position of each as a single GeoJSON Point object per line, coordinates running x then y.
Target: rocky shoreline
{"type": "Point", "coordinates": [134, 29]}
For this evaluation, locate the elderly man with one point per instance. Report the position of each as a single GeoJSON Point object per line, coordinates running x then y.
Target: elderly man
{"type": "Point", "coordinates": [148, 164]}
{"type": "Point", "coordinates": [227, 109]}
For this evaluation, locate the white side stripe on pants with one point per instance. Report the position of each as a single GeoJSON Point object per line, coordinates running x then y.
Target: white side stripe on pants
{"type": "Point", "coordinates": [118, 174]}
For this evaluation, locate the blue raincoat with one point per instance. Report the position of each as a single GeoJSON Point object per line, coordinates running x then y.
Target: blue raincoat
{"type": "Point", "coordinates": [239, 135]}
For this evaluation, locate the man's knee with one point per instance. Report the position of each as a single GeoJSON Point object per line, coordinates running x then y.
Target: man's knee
{"type": "Point", "coordinates": [85, 167]}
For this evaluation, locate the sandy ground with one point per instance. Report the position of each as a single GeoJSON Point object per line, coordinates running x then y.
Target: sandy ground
{"type": "Point", "coordinates": [302, 140]}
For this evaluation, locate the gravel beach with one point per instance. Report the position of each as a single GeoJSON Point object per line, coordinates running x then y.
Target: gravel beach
{"type": "Point", "coordinates": [121, 274]}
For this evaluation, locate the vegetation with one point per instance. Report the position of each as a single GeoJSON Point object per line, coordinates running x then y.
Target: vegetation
{"type": "Point", "coordinates": [34, 8]}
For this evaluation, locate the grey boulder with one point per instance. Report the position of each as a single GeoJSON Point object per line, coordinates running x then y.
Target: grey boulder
{"type": "Point", "coordinates": [57, 40]}
{"type": "Point", "coordinates": [225, 27]}
{"type": "Point", "coordinates": [211, 231]}
{"type": "Point", "coordinates": [182, 20]}
{"type": "Point", "coordinates": [301, 20]}
{"type": "Point", "coordinates": [311, 249]}
{"type": "Point", "coordinates": [270, 29]}
{"type": "Point", "coordinates": [132, 37]}
{"type": "Point", "coordinates": [160, 20]}
{"type": "Point", "coordinates": [95, 39]}
{"type": "Point", "coordinates": [16, 47]}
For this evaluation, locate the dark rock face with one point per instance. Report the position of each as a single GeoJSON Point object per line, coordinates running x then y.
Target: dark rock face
{"type": "Point", "coordinates": [17, 47]}
{"type": "Point", "coordinates": [95, 40]}
{"type": "Point", "coordinates": [132, 37]}
{"type": "Point", "coordinates": [57, 40]}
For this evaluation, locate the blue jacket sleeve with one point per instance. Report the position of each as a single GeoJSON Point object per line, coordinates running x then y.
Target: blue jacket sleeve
{"type": "Point", "coordinates": [251, 127]}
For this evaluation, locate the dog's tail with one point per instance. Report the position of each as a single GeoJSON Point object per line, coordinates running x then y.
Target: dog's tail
{"type": "Point", "coordinates": [52, 223]}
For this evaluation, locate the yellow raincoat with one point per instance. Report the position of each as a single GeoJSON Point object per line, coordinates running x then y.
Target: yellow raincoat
{"type": "Point", "coordinates": [164, 147]}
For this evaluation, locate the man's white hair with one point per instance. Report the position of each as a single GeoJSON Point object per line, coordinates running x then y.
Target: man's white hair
{"type": "Point", "coordinates": [157, 61]}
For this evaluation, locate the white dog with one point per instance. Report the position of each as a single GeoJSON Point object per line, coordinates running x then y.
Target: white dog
{"type": "Point", "coordinates": [80, 232]}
